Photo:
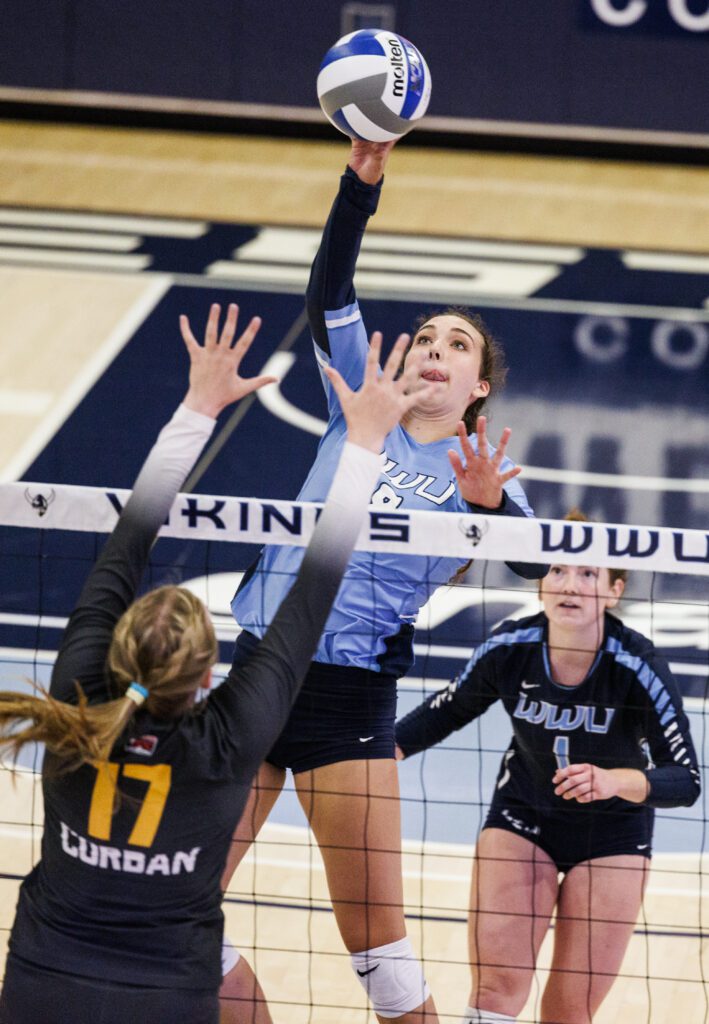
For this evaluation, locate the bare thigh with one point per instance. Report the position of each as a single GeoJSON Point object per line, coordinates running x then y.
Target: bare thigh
{"type": "Point", "coordinates": [598, 906]}
{"type": "Point", "coordinates": [512, 895]}
{"type": "Point", "coordinates": [265, 790]}
{"type": "Point", "coordinates": [353, 810]}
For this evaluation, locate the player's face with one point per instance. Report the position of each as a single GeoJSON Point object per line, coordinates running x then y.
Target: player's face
{"type": "Point", "coordinates": [448, 353]}
{"type": "Point", "coordinates": [576, 596]}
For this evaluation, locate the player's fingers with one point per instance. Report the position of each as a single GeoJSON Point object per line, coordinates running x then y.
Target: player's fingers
{"type": "Point", "coordinates": [391, 367]}
{"type": "Point", "coordinates": [414, 395]}
{"type": "Point", "coordinates": [229, 329]}
{"type": "Point", "coordinates": [481, 427]}
{"type": "Point", "coordinates": [250, 384]}
{"type": "Point", "coordinates": [502, 446]}
{"type": "Point", "coordinates": [187, 335]}
{"type": "Point", "coordinates": [577, 787]}
{"type": "Point", "coordinates": [244, 343]}
{"type": "Point", "coordinates": [466, 446]}
{"type": "Point", "coordinates": [212, 328]}
{"type": "Point", "coordinates": [411, 382]}
{"type": "Point", "coordinates": [373, 354]}
{"type": "Point", "coordinates": [340, 388]}
{"type": "Point", "coordinates": [457, 464]}
{"type": "Point", "coordinates": [510, 473]}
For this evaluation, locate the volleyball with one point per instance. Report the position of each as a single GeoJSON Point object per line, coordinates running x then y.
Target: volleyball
{"type": "Point", "coordinates": [374, 85]}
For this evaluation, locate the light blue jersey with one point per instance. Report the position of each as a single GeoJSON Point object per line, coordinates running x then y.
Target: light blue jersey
{"type": "Point", "coordinates": [370, 625]}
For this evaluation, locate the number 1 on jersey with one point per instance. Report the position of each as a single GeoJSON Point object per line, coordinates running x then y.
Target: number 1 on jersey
{"type": "Point", "coordinates": [561, 751]}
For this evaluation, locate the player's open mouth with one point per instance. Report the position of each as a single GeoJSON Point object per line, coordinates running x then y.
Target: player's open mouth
{"type": "Point", "coordinates": [434, 375]}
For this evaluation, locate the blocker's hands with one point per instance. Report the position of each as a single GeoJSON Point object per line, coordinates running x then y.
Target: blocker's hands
{"type": "Point", "coordinates": [214, 367]}
{"type": "Point", "coordinates": [382, 400]}
{"type": "Point", "coordinates": [480, 480]}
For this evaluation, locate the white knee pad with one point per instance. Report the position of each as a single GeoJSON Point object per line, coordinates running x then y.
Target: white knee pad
{"type": "Point", "coordinates": [392, 978]}
{"type": "Point", "coordinates": [230, 956]}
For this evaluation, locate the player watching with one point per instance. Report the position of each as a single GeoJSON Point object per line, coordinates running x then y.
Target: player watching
{"type": "Point", "coordinates": [600, 740]}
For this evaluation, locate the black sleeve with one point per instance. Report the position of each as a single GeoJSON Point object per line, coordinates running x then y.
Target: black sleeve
{"type": "Point", "coordinates": [114, 579]}
{"type": "Point", "coordinates": [331, 284]}
{"type": "Point", "coordinates": [108, 591]}
{"type": "Point", "coordinates": [674, 777]}
{"type": "Point", "coordinates": [464, 699]}
{"type": "Point", "coordinates": [509, 507]}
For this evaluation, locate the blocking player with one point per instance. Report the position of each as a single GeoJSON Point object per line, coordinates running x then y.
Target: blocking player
{"type": "Point", "coordinates": [121, 920]}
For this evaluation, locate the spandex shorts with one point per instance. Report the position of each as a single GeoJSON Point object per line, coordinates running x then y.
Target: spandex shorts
{"type": "Point", "coordinates": [36, 994]}
{"type": "Point", "coordinates": [340, 714]}
{"type": "Point", "coordinates": [575, 834]}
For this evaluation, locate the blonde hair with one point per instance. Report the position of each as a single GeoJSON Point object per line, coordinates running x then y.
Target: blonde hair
{"type": "Point", "coordinates": [165, 642]}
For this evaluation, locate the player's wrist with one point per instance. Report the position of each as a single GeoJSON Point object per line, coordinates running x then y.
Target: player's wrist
{"type": "Point", "coordinates": [202, 404]}
{"type": "Point", "coordinates": [365, 439]}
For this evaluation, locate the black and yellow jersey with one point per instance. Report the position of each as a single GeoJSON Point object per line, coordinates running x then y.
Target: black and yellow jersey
{"type": "Point", "coordinates": [128, 885]}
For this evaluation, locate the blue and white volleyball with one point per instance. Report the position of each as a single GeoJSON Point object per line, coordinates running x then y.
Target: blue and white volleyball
{"type": "Point", "coordinates": [374, 85]}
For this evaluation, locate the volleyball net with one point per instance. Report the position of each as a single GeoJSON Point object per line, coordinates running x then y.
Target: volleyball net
{"type": "Point", "coordinates": [277, 907]}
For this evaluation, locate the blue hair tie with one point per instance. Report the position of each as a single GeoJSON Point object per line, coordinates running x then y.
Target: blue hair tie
{"type": "Point", "coordinates": [137, 693]}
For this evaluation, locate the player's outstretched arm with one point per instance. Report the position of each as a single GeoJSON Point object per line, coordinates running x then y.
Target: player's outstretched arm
{"type": "Point", "coordinates": [331, 284]}
{"type": "Point", "coordinates": [214, 383]}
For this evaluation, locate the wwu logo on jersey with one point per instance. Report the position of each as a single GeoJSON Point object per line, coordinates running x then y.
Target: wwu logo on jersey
{"type": "Point", "coordinates": [401, 480]}
{"type": "Point", "coordinates": [551, 716]}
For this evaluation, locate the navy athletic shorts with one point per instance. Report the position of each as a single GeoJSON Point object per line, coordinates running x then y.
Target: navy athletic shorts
{"type": "Point", "coordinates": [340, 714]}
{"type": "Point", "coordinates": [40, 996]}
{"type": "Point", "coordinates": [570, 835]}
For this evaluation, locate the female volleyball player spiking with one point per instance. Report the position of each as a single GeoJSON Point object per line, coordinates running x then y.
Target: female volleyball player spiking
{"type": "Point", "coordinates": [600, 740]}
{"type": "Point", "coordinates": [121, 920]}
{"type": "Point", "coordinates": [339, 741]}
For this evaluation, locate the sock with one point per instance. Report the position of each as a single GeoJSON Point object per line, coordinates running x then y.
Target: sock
{"type": "Point", "coordinates": [473, 1016]}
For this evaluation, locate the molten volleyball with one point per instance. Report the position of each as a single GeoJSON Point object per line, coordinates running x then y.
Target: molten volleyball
{"type": "Point", "coordinates": [374, 85]}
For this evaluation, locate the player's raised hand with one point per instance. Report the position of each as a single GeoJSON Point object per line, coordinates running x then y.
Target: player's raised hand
{"type": "Point", "coordinates": [368, 159]}
{"type": "Point", "coordinates": [377, 407]}
{"type": "Point", "coordinates": [479, 479]}
{"type": "Point", "coordinates": [214, 367]}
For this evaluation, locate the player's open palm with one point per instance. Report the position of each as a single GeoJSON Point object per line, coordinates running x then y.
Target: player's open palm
{"type": "Point", "coordinates": [215, 382]}
{"type": "Point", "coordinates": [377, 407]}
{"type": "Point", "coordinates": [480, 479]}
{"type": "Point", "coordinates": [368, 159]}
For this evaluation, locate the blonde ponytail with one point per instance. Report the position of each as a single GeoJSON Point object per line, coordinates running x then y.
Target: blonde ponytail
{"type": "Point", "coordinates": [161, 650]}
{"type": "Point", "coordinates": [75, 733]}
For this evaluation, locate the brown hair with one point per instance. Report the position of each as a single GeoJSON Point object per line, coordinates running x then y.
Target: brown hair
{"type": "Point", "coordinates": [164, 641]}
{"type": "Point", "coordinates": [575, 515]}
{"type": "Point", "coordinates": [493, 367]}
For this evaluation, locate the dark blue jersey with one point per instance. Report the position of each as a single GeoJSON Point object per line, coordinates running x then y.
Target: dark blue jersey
{"type": "Point", "coordinates": [371, 623]}
{"type": "Point", "coordinates": [627, 713]}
